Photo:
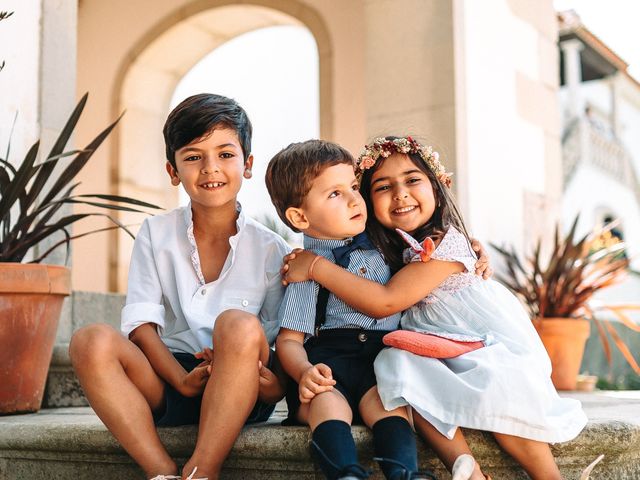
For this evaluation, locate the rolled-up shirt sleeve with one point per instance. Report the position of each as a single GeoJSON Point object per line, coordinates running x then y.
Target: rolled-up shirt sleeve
{"type": "Point", "coordinates": [144, 292]}
{"type": "Point", "coordinates": [298, 308]}
{"type": "Point", "coordinates": [275, 290]}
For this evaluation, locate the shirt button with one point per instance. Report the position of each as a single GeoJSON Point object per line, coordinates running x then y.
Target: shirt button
{"type": "Point", "coordinates": [362, 337]}
{"type": "Point", "coordinates": [203, 291]}
{"type": "Point", "coordinates": [245, 303]}
{"type": "Point", "coordinates": [363, 270]}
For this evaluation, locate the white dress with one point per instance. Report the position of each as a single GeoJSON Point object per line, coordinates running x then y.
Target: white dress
{"type": "Point", "coordinates": [504, 387]}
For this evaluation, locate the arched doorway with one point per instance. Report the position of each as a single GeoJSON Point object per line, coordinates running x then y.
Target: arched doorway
{"type": "Point", "coordinates": [273, 73]}
{"type": "Point", "coordinates": [148, 82]}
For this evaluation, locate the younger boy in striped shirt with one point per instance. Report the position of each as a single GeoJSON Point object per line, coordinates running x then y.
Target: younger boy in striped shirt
{"type": "Point", "coordinates": [327, 347]}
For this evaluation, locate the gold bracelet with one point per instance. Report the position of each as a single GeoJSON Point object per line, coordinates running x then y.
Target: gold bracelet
{"type": "Point", "coordinates": [310, 271]}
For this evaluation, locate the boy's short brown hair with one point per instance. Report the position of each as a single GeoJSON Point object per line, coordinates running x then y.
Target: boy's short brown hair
{"type": "Point", "coordinates": [292, 170]}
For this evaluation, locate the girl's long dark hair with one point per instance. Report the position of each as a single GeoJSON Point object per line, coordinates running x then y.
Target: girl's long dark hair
{"type": "Point", "coordinates": [445, 215]}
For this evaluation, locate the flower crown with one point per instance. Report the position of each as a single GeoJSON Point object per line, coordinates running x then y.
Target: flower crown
{"type": "Point", "coordinates": [382, 147]}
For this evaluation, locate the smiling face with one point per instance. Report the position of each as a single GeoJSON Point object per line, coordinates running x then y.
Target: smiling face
{"type": "Point", "coordinates": [401, 194]}
{"type": "Point", "coordinates": [211, 169]}
{"type": "Point", "coordinates": [333, 208]}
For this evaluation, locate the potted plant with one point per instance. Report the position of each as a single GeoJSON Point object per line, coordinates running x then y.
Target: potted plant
{"type": "Point", "coordinates": [32, 197]}
{"type": "Point", "coordinates": [557, 294]}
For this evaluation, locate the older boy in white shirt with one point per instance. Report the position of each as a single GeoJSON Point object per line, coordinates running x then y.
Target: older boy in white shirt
{"type": "Point", "coordinates": [201, 311]}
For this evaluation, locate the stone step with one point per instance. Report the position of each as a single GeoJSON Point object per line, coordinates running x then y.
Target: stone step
{"type": "Point", "coordinates": [65, 443]}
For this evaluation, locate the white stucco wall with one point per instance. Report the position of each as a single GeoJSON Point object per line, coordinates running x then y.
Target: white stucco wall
{"type": "Point", "coordinates": [512, 119]}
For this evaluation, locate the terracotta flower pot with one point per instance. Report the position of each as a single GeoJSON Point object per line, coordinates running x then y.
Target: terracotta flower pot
{"type": "Point", "coordinates": [31, 298]}
{"type": "Point", "coordinates": [564, 339]}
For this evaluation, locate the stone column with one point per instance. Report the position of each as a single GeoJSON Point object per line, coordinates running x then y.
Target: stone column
{"type": "Point", "coordinates": [409, 72]}
{"type": "Point", "coordinates": [614, 116]}
{"type": "Point", "coordinates": [573, 75]}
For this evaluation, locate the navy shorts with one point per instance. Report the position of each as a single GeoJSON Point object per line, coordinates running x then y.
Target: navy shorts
{"type": "Point", "coordinates": [181, 410]}
{"type": "Point", "coordinates": [350, 353]}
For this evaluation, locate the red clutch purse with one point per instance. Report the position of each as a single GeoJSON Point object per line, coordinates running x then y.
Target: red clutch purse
{"type": "Point", "coordinates": [427, 345]}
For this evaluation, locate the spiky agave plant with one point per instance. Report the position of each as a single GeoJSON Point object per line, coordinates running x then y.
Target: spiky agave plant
{"type": "Point", "coordinates": [564, 285]}
{"type": "Point", "coordinates": [30, 204]}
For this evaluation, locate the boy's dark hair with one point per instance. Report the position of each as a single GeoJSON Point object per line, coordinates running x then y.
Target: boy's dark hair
{"type": "Point", "coordinates": [446, 214]}
{"type": "Point", "coordinates": [196, 116]}
{"type": "Point", "coordinates": [292, 170]}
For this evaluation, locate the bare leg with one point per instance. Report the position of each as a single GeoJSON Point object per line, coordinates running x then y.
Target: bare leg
{"type": "Point", "coordinates": [231, 392]}
{"type": "Point", "coordinates": [329, 416]}
{"type": "Point", "coordinates": [325, 406]}
{"type": "Point", "coordinates": [123, 390]}
{"type": "Point", "coordinates": [446, 450]}
{"type": "Point", "coordinates": [535, 457]}
{"type": "Point", "coordinates": [371, 409]}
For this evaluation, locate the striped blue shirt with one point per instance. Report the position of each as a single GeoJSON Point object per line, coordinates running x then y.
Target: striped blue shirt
{"type": "Point", "coordinates": [298, 308]}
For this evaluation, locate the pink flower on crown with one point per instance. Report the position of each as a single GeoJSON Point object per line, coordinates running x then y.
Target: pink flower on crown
{"type": "Point", "coordinates": [385, 153]}
{"type": "Point", "coordinates": [367, 162]}
{"type": "Point", "coordinates": [435, 156]}
{"type": "Point", "coordinates": [445, 178]}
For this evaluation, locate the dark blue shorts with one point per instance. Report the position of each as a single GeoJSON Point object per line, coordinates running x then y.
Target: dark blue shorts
{"type": "Point", "coordinates": [350, 353]}
{"type": "Point", "coordinates": [181, 410]}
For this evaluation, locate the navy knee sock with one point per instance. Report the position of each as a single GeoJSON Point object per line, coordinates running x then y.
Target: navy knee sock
{"type": "Point", "coordinates": [335, 450]}
{"type": "Point", "coordinates": [394, 441]}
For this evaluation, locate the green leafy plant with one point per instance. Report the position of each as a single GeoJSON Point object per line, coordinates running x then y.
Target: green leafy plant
{"type": "Point", "coordinates": [563, 286]}
{"type": "Point", "coordinates": [32, 197]}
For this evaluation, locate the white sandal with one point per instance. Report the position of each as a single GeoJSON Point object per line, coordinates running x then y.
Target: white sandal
{"type": "Point", "coordinates": [178, 477]}
{"type": "Point", "coordinates": [463, 467]}
{"type": "Point", "coordinates": [587, 471]}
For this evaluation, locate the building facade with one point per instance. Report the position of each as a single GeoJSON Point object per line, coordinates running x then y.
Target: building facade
{"type": "Point", "coordinates": [478, 79]}
{"type": "Point", "coordinates": [600, 105]}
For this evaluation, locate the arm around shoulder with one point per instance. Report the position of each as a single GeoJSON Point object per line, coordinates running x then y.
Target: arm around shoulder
{"type": "Point", "coordinates": [408, 286]}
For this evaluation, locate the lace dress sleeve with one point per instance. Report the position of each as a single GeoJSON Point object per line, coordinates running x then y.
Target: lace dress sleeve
{"type": "Point", "coordinates": [455, 247]}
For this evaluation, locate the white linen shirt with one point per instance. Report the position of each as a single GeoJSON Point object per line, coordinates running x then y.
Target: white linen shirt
{"type": "Point", "coordinates": [166, 285]}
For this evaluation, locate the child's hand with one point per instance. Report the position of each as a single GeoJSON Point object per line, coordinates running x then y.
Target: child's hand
{"type": "Point", "coordinates": [270, 388]}
{"type": "Point", "coordinates": [482, 265]}
{"type": "Point", "coordinates": [296, 266]}
{"type": "Point", "coordinates": [315, 380]}
{"type": "Point", "coordinates": [193, 383]}
{"type": "Point", "coordinates": [206, 355]}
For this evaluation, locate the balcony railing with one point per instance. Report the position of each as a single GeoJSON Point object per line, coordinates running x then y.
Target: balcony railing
{"type": "Point", "coordinates": [586, 143]}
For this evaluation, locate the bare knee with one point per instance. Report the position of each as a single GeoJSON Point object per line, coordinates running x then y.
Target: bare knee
{"type": "Point", "coordinates": [239, 331]}
{"type": "Point", "coordinates": [372, 410]}
{"type": "Point", "coordinates": [93, 343]}
{"type": "Point", "coordinates": [328, 406]}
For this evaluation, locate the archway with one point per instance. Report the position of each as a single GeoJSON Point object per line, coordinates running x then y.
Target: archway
{"type": "Point", "coordinates": [148, 81]}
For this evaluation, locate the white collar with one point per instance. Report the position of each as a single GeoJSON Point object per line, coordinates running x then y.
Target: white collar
{"type": "Point", "coordinates": [233, 240]}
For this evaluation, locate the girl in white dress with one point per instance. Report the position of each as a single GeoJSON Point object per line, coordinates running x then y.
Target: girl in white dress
{"type": "Point", "coordinates": [503, 387]}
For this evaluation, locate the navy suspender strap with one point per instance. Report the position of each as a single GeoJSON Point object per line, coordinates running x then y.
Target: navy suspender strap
{"type": "Point", "coordinates": [321, 308]}
{"type": "Point", "coordinates": [343, 257]}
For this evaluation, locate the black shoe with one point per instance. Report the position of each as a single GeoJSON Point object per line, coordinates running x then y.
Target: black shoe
{"type": "Point", "coordinates": [350, 472]}
{"type": "Point", "coordinates": [407, 474]}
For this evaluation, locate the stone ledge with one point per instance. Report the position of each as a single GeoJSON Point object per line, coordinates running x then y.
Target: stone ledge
{"type": "Point", "coordinates": [73, 443]}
